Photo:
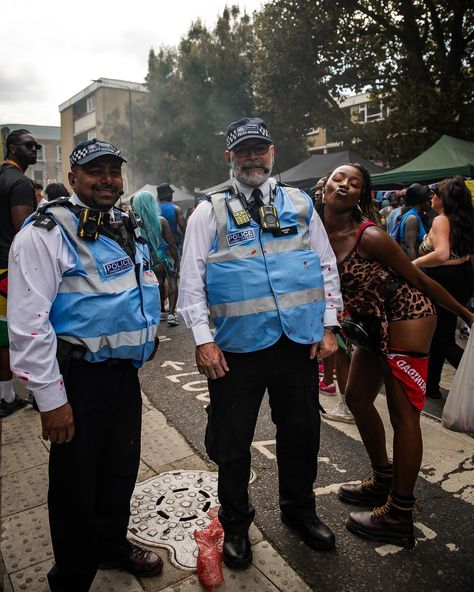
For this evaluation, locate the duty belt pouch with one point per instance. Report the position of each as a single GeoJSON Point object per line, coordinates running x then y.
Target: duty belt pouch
{"type": "Point", "coordinates": [362, 331]}
{"type": "Point", "coordinates": [65, 353]}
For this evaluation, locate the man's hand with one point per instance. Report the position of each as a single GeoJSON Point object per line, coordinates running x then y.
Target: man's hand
{"type": "Point", "coordinates": [211, 361]}
{"type": "Point", "coordinates": [58, 424]}
{"type": "Point", "coordinates": [325, 348]}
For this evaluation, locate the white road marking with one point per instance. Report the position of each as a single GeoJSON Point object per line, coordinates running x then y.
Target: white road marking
{"type": "Point", "coordinates": [190, 386]}
{"type": "Point", "coordinates": [326, 460]}
{"type": "Point", "coordinates": [174, 365]}
{"type": "Point", "coordinates": [175, 377]}
{"type": "Point", "coordinates": [262, 448]}
{"type": "Point", "coordinates": [333, 488]}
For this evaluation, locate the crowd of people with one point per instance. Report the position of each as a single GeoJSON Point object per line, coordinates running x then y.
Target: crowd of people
{"type": "Point", "coordinates": [276, 288]}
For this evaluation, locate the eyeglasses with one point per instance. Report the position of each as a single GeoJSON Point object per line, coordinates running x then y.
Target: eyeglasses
{"type": "Point", "coordinates": [30, 145]}
{"type": "Point", "coordinates": [258, 149]}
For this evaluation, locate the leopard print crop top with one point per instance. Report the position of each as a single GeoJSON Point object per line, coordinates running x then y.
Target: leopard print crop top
{"type": "Point", "coordinates": [363, 286]}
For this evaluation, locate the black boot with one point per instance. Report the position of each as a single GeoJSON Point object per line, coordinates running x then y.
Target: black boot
{"type": "Point", "coordinates": [371, 492]}
{"type": "Point", "coordinates": [391, 523]}
{"type": "Point", "coordinates": [237, 552]}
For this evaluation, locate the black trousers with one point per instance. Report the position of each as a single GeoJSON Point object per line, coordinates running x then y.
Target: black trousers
{"type": "Point", "coordinates": [91, 478]}
{"type": "Point", "coordinates": [291, 379]}
{"type": "Point", "coordinates": [458, 280]}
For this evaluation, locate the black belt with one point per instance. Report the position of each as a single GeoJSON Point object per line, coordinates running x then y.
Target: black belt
{"type": "Point", "coordinates": [108, 362]}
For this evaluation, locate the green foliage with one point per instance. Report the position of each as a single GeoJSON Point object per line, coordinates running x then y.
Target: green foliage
{"type": "Point", "coordinates": [196, 90]}
{"type": "Point", "coordinates": [416, 54]}
{"type": "Point", "coordinates": [290, 65]}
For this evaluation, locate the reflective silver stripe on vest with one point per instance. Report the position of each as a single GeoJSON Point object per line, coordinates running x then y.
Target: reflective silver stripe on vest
{"type": "Point", "coordinates": [128, 339]}
{"type": "Point", "coordinates": [65, 217]}
{"type": "Point", "coordinates": [300, 202]}
{"type": "Point", "coordinates": [267, 303]}
{"type": "Point", "coordinates": [220, 211]}
{"type": "Point", "coordinates": [93, 280]}
{"type": "Point", "coordinates": [89, 284]}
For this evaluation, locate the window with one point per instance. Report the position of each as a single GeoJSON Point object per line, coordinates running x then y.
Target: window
{"type": "Point", "coordinates": [90, 104]}
{"type": "Point", "coordinates": [40, 154]}
{"type": "Point", "coordinates": [58, 152]}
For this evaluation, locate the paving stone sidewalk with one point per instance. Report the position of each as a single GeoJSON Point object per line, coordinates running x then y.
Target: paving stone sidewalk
{"type": "Point", "coordinates": [26, 552]}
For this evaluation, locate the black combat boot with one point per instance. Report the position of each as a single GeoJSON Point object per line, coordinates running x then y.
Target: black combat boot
{"type": "Point", "coordinates": [371, 492]}
{"type": "Point", "coordinates": [391, 523]}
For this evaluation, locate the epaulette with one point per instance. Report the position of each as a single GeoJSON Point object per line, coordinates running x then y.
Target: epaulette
{"type": "Point", "coordinates": [44, 221]}
{"type": "Point", "coordinates": [60, 201]}
{"type": "Point", "coordinates": [41, 217]}
{"type": "Point", "coordinates": [223, 190]}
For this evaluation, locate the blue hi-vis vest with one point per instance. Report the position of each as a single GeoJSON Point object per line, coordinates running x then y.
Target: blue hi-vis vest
{"type": "Point", "coordinates": [260, 285]}
{"type": "Point", "coordinates": [100, 305]}
{"type": "Point", "coordinates": [421, 228]}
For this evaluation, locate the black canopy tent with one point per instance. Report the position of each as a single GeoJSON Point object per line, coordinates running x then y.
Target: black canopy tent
{"type": "Point", "coordinates": [316, 166]}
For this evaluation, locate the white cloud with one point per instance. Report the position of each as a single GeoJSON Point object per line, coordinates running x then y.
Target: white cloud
{"type": "Point", "coordinates": [53, 49]}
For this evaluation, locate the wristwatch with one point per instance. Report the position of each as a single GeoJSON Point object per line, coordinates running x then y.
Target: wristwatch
{"type": "Point", "coordinates": [334, 328]}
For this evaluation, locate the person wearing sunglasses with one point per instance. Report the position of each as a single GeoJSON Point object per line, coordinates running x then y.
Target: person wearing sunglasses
{"type": "Point", "coordinates": [257, 256]}
{"type": "Point", "coordinates": [17, 202]}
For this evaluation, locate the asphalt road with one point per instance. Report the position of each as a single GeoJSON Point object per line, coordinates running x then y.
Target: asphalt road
{"type": "Point", "coordinates": [442, 559]}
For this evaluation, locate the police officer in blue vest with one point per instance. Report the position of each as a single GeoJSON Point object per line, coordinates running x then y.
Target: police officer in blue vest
{"type": "Point", "coordinates": [257, 257]}
{"type": "Point", "coordinates": [83, 318]}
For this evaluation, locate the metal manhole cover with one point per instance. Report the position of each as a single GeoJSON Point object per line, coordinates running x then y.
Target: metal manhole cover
{"type": "Point", "coordinates": [168, 508]}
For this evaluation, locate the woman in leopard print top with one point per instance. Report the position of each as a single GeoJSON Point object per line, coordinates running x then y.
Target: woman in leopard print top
{"type": "Point", "coordinates": [369, 261]}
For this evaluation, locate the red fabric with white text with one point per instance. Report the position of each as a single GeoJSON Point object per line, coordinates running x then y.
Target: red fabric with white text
{"type": "Point", "coordinates": [411, 370]}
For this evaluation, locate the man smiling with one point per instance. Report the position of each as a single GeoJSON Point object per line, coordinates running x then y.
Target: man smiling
{"type": "Point", "coordinates": [85, 316]}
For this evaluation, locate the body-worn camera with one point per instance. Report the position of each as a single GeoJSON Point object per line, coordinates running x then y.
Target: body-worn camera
{"type": "Point", "coordinates": [268, 217]}
{"type": "Point", "coordinates": [89, 224]}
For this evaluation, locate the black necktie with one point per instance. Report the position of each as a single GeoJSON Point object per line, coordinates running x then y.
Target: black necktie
{"type": "Point", "coordinates": [255, 204]}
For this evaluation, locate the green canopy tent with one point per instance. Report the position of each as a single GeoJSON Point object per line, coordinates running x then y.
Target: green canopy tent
{"type": "Point", "coordinates": [447, 157]}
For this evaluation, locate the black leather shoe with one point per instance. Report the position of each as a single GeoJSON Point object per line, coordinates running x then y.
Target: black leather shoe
{"type": "Point", "coordinates": [237, 551]}
{"type": "Point", "coordinates": [140, 563]}
{"type": "Point", "coordinates": [313, 532]}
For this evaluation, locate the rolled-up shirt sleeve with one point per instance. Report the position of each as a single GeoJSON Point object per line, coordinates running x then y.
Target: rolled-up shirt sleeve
{"type": "Point", "coordinates": [38, 259]}
{"type": "Point", "coordinates": [332, 287]}
{"type": "Point", "coordinates": [192, 298]}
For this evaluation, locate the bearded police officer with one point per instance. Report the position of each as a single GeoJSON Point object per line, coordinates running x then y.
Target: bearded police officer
{"type": "Point", "coordinates": [257, 256]}
{"type": "Point", "coordinates": [84, 317]}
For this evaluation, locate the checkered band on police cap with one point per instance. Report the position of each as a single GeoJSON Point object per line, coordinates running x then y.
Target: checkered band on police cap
{"type": "Point", "coordinates": [92, 149]}
{"type": "Point", "coordinates": [246, 129]}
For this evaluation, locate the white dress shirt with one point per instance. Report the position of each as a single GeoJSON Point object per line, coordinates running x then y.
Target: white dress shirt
{"type": "Point", "coordinates": [200, 235]}
{"type": "Point", "coordinates": [37, 262]}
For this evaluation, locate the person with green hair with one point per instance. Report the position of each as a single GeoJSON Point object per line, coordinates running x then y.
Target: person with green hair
{"type": "Point", "coordinates": [157, 232]}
